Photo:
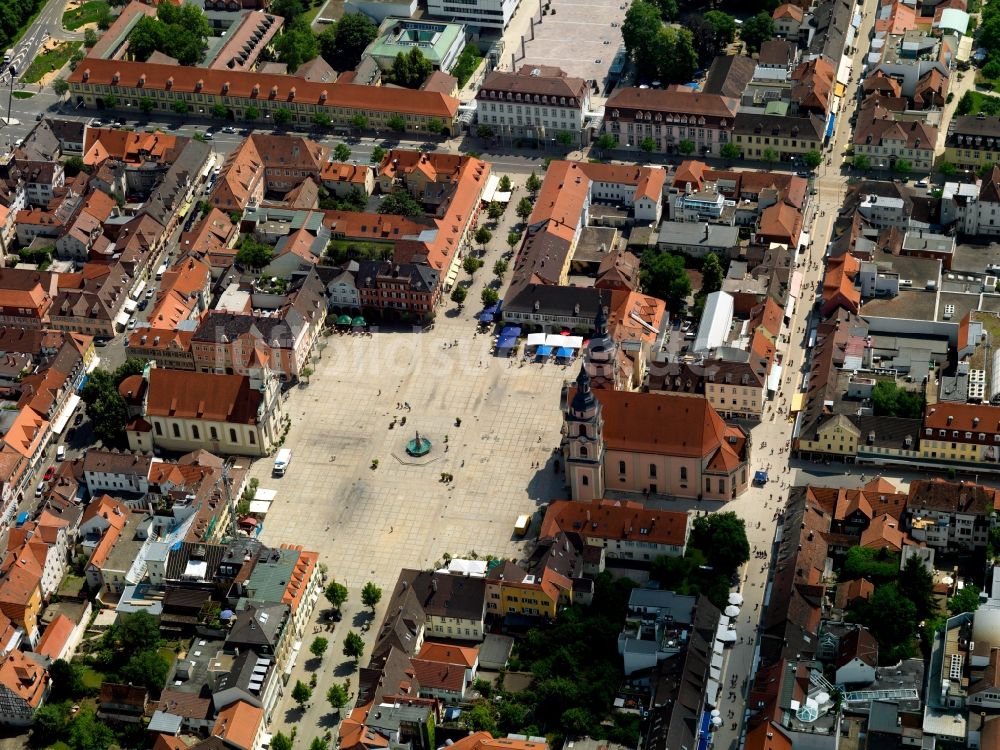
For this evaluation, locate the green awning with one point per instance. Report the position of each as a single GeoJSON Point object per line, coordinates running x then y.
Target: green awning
{"type": "Point", "coordinates": [344, 320]}
{"type": "Point", "coordinates": [358, 322]}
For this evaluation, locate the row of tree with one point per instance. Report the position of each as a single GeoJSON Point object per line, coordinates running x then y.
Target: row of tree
{"type": "Point", "coordinates": [180, 31]}
{"type": "Point", "coordinates": [106, 408]}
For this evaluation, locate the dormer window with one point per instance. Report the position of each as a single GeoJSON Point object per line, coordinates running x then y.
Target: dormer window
{"type": "Point", "coordinates": [256, 90]}
{"type": "Point", "coordinates": [291, 93]}
{"type": "Point", "coordinates": [170, 83]}
{"type": "Point", "coordinates": [274, 91]}
{"type": "Point", "coordinates": [142, 80]}
{"type": "Point", "coordinates": [115, 78]}
{"type": "Point", "coordinates": [225, 87]}
{"type": "Point", "coordinates": [199, 85]}
{"type": "Point", "coordinates": [322, 95]}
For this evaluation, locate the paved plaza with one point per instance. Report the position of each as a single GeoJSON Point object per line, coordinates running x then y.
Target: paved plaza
{"type": "Point", "coordinates": [368, 523]}
{"type": "Point", "coordinates": [580, 36]}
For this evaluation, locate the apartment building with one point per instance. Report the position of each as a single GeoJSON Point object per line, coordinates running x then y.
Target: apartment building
{"type": "Point", "coordinates": [787, 137]}
{"type": "Point", "coordinates": [259, 94]}
{"type": "Point", "coordinates": [973, 141]}
{"type": "Point", "coordinates": [539, 102]}
{"type": "Point", "coordinates": [886, 141]}
{"type": "Point", "coordinates": [632, 115]}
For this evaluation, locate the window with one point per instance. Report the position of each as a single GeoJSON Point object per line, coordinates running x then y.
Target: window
{"type": "Point", "coordinates": [194, 432]}
{"type": "Point", "coordinates": [159, 428]}
{"type": "Point", "coordinates": [684, 473]}
{"type": "Point", "coordinates": [232, 435]}
{"type": "Point", "coordinates": [177, 430]}
{"type": "Point", "coordinates": [253, 437]}
{"type": "Point", "coordinates": [621, 467]}
{"type": "Point", "coordinates": [214, 432]}
{"type": "Point", "coordinates": [583, 451]}
{"type": "Point", "coordinates": [652, 470]}
{"type": "Point", "coordinates": [585, 480]}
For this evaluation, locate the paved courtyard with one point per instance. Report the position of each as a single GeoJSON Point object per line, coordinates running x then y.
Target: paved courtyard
{"type": "Point", "coordinates": [579, 37]}
{"type": "Point", "coordinates": [368, 523]}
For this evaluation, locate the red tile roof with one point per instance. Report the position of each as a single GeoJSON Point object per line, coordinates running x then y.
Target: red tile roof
{"type": "Point", "coordinates": [252, 85]}
{"type": "Point", "coordinates": [611, 519]}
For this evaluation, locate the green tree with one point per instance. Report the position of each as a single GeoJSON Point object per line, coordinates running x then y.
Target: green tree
{"type": "Point", "coordinates": [812, 158]}
{"type": "Point", "coordinates": [730, 150]}
{"type": "Point", "coordinates": [147, 667]}
{"type": "Point", "coordinates": [471, 264]}
{"type": "Point", "coordinates": [106, 408]}
{"type": "Point", "coordinates": [686, 147]}
{"type": "Point", "coordinates": [74, 165]}
{"type": "Point", "coordinates": [513, 238]}
{"type": "Point", "coordinates": [180, 31]}
{"type": "Point", "coordinates": [336, 594]}
{"type": "Point", "coordinates": [480, 718]}
{"type": "Point", "coordinates": [301, 693]}
{"type": "Point", "coordinates": [146, 105]}
{"type": "Point", "coordinates": [643, 24]}
{"type": "Point", "coordinates": [483, 236]}
{"type": "Point", "coordinates": [281, 742]}
{"type": "Point", "coordinates": [89, 38]}
{"type": "Point", "coordinates": [947, 169]}
{"type": "Point", "coordinates": [523, 209]}
{"type": "Point", "coordinates": [220, 111]}
{"type": "Point", "coordinates": [902, 166]}
{"type": "Point", "coordinates": [396, 124]}
{"type": "Point", "coordinates": [564, 138]}
{"type": "Point", "coordinates": [342, 44]}
{"type": "Point", "coordinates": [606, 141]}
{"type": "Point", "coordinates": [756, 30]}
{"type": "Point", "coordinates": [577, 722]}
{"type": "Point", "coordinates": [877, 565]}
{"type": "Point", "coordinates": [533, 184]}
{"type": "Point", "coordinates": [319, 646]}
{"type": "Point", "coordinates": [400, 203]}
{"type": "Point", "coordinates": [723, 24]}
{"type": "Point", "coordinates": [318, 743]}
{"type": "Point", "coordinates": [663, 275]}
{"type": "Point", "coordinates": [336, 696]}
{"type": "Point", "coordinates": [675, 55]}
{"type": "Point", "coordinates": [484, 131]}
{"type": "Point", "coordinates": [711, 274]}
{"type": "Point", "coordinates": [722, 538]}
{"type": "Point", "coordinates": [917, 584]}
{"type": "Point", "coordinates": [504, 185]}
{"type": "Point", "coordinates": [51, 724]}
{"type": "Point", "coordinates": [435, 125]}
{"type": "Point", "coordinates": [342, 152]}
{"type": "Point", "coordinates": [378, 154]}
{"type": "Point", "coordinates": [180, 106]}
{"type": "Point", "coordinates": [410, 69]}
{"type": "Point", "coordinates": [110, 101]}
{"type": "Point", "coordinates": [67, 681]}
{"type": "Point", "coordinates": [494, 210]}
{"type": "Point", "coordinates": [668, 9]}
{"type": "Point", "coordinates": [890, 400]}
{"type": "Point", "coordinates": [769, 155]}
{"type": "Point", "coordinates": [322, 120]}
{"type": "Point", "coordinates": [253, 254]}
{"type": "Point", "coordinates": [359, 122]}
{"type": "Point", "coordinates": [251, 113]}
{"type": "Point", "coordinates": [489, 296]}
{"type": "Point", "coordinates": [458, 294]}
{"type": "Point", "coordinates": [282, 116]}
{"type": "Point", "coordinates": [354, 646]}
{"type": "Point", "coordinates": [647, 144]}
{"type": "Point", "coordinates": [965, 600]}
{"type": "Point", "coordinates": [296, 45]}
{"type": "Point", "coordinates": [60, 87]}
{"type": "Point", "coordinates": [87, 733]}
{"type": "Point", "coordinates": [500, 268]}
{"type": "Point", "coordinates": [892, 619]}
{"type": "Point", "coordinates": [861, 162]}
{"type": "Point", "coordinates": [290, 10]}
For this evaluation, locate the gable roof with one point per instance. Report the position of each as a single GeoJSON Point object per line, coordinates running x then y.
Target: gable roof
{"type": "Point", "coordinates": [610, 519]}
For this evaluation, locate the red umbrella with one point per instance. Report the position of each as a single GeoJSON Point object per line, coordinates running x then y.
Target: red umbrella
{"type": "Point", "coordinates": [565, 332]}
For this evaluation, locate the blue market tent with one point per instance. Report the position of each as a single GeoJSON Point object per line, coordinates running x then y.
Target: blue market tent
{"type": "Point", "coordinates": [543, 351]}
{"type": "Point", "coordinates": [512, 331]}
{"type": "Point", "coordinates": [760, 477]}
{"type": "Point", "coordinates": [564, 352]}
{"type": "Point", "coordinates": [507, 342]}
{"type": "Point", "coordinates": [493, 309]}
{"type": "Point", "coordinates": [485, 317]}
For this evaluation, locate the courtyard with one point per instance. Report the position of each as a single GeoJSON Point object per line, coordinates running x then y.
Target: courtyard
{"type": "Point", "coordinates": [367, 522]}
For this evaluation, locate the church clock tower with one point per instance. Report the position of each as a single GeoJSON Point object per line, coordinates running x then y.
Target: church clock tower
{"type": "Point", "coordinates": [583, 441]}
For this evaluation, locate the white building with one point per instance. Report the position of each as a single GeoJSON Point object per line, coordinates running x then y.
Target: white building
{"type": "Point", "coordinates": [973, 209]}
{"type": "Point", "coordinates": [490, 14]}
{"type": "Point", "coordinates": [535, 102]}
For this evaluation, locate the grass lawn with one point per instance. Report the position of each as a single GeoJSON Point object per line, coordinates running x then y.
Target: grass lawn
{"type": "Point", "coordinates": [466, 64]}
{"type": "Point", "coordinates": [50, 61]}
{"type": "Point", "coordinates": [23, 94]}
{"type": "Point", "coordinates": [91, 678]}
{"type": "Point", "coordinates": [89, 12]}
{"type": "Point", "coordinates": [974, 102]}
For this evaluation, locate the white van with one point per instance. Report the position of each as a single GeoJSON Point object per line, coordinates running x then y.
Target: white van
{"type": "Point", "coordinates": [61, 453]}
{"type": "Point", "coordinates": [281, 461]}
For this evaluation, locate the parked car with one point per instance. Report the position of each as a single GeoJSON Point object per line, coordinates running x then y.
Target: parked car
{"type": "Point", "coordinates": [49, 474]}
{"type": "Point", "coordinates": [131, 324]}
{"type": "Point", "coordinates": [78, 419]}
{"type": "Point", "coordinates": [143, 304]}
{"type": "Point", "coordinates": [40, 489]}
{"type": "Point", "coordinates": [150, 293]}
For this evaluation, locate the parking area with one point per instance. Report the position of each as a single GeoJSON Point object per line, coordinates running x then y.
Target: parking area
{"type": "Point", "coordinates": [367, 522]}
{"type": "Point", "coordinates": [579, 36]}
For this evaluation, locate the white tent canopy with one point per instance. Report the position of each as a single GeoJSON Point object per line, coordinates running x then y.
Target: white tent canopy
{"type": "Point", "coordinates": [536, 339]}
{"type": "Point", "coordinates": [736, 598]}
{"type": "Point", "coordinates": [555, 339]}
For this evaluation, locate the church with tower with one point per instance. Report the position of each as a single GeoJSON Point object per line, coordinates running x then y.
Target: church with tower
{"type": "Point", "coordinates": [645, 443]}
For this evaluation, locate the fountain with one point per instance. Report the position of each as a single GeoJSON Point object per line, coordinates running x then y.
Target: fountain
{"type": "Point", "coordinates": [418, 447]}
